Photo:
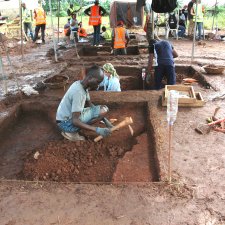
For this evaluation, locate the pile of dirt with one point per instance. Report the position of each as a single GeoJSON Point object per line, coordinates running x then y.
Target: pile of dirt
{"type": "Point", "coordinates": [73, 161]}
{"type": "Point", "coordinates": [180, 77]}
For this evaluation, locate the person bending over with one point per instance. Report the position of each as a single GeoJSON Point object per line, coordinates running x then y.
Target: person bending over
{"type": "Point", "coordinates": [106, 35]}
{"type": "Point", "coordinates": [72, 116]}
{"type": "Point", "coordinates": [164, 54]}
{"type": "Point", "coordinates": [111, 79]}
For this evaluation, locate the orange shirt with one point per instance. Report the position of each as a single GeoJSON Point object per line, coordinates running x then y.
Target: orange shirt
{"type": "Point", "coordinates": [40, 16]}
{"type": "Point", "coordinates": [119, 37]}
{"type": "Point", "coordinates": [95, 18]}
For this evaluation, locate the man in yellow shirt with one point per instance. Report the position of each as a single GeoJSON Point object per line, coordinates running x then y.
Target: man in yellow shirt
{"type": "Point", "coordinates": [73, 9]}
{"type": "Point", "coordinates": [106, 35]}
{"type": "Point", "coordinates": [27, 20]}
{"type": "Point", "coordinates": [198, 16]}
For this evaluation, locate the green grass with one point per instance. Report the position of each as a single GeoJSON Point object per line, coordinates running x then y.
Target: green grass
{"type": "Point", "coordinates": [208, 21]}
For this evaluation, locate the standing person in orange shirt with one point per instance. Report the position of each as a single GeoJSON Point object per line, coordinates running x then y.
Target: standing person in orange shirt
{"type": "Point", "coordinates": [95, 12]}
{"type": "Point", "coordinates": [40, 17]}
{"type": "Point", "coordinates": [120, 39]}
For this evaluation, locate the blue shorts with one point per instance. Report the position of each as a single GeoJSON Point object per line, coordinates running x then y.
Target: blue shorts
{"type": "Point", "coordinates": [87, 115]}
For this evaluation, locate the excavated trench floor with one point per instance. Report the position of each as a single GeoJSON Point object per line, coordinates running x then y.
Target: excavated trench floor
{"type": "Point", "coordinates": [104, 51]}
{"type": "Point", "coordinates": [32, 148]}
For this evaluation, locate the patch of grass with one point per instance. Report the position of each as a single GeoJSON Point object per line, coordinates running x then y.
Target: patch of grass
{"type": "Point", "coordinates": [219, 20]}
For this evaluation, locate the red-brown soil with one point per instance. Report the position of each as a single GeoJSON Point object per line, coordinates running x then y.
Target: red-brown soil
{"type": "Point", "coordinates": [196, 195]}
{"type": "Point", "coordinates": [136, 164]}
{"type": "Point", "coordinates": [77, 162]}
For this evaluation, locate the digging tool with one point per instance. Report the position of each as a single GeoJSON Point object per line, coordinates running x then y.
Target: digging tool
{"type": "Point", "coordinates": [126, 122]}
{"type": "Point", "coordinates": [143, 78]}
{"type": "Point", "coordinates": [110, 120]}
{"type": "Point", "coordinates": [205, 128]}
{"type": "Point", "coordinates": [131, 130]}
{"type": "Point", "coordinates": [27, 39]}
{"type": "Point", "coordinates": [215, 112]}
{"type": "Point", "coordinates": [215, 124]}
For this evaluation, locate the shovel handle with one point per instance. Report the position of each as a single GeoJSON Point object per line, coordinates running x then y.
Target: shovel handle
{"type": "Point", "coordinates": [126, 122]}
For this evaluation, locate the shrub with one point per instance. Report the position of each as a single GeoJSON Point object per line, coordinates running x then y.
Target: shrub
{"type": "Point", "coordinates": [61, 14]}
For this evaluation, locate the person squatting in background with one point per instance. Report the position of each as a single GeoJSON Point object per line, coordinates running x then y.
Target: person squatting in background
{"type": "Point", "coordinates": [173, 24]}
{"type": "Point", "coordinates": [81, 31]}
{"type": "Point", "coordinates": [67, 31]}
{"type": "Point", "coordinates": [111, 79]}
{"type": "Point", "coordinates": [106, 35]}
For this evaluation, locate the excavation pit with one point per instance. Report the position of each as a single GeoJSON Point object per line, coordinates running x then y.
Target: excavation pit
{"type": "Point", "coordinates": [131, 77]}
{"type": "Point", "coordinates": [31, 148]}
{"type": "Point", "coordinates": [105, 51]}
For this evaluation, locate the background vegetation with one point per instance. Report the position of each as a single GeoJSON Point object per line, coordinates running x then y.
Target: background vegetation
{"type": "Point", "coordinates": [218, 11]}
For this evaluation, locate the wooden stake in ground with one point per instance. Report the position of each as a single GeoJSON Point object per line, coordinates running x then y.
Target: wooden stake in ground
{"type": "Point", "coordinates": [3, 76]}
{"type": "Point", "coordinates": [53, 34]}
{"type": "Point", "coordinates": [21, 29]}
{"type": "Point", "coordinates": [172, 109]}
{"type": "Point", "coordinates": [170, 153]}
{"type": "Point", "coordinates": [193, 42]}
{"type": "Point", "coordinates": [58, 17]}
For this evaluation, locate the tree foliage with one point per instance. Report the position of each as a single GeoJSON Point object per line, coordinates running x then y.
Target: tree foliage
{"type": "Point", "coordinates": [64, 4]}
{"type": "Point", "coordinates": [106, 5]}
